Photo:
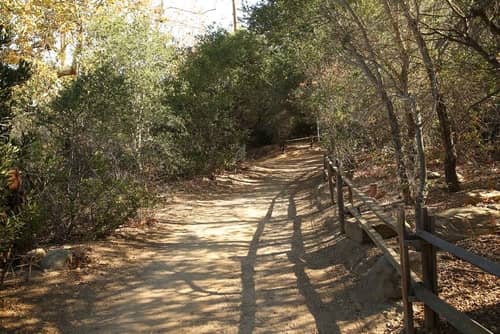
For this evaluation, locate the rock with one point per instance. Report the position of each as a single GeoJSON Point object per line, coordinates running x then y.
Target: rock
{"type": "Point", "coordinates": [57, 259]}
{"type": "Point", "coordinates": [354, 232]}
{"type": "Point", "coordinates": [484, 196]}
{"type": "Point", "coordinates": [36, 254]}
{"type": "Point", "coordinates": [433, 175]}
{"type": "Point", "coordinates": [380, 284]}
{"type": "Point", "coordinates": [460, 223]}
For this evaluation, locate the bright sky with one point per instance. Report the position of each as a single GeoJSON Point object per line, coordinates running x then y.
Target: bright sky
{"type": "Point", "coordinates": [189, 18]}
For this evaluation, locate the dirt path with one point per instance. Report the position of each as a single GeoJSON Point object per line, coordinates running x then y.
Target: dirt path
{"type": "Point", "coordinates": [264, 256]}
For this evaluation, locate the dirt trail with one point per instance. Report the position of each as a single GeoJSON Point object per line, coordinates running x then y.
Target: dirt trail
{"type": "Point", "coordinates": [264, 256]}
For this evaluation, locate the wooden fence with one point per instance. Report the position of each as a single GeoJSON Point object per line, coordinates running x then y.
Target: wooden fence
{"type": "Point", "coordinates": [310, 140]}
{"type": "Point", "coordinates": [424, 240]}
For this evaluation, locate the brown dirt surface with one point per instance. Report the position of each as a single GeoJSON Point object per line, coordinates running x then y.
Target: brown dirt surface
{"type": "Point", "coordinates": [461, 284]}
{"type": "Point", "coordinates": [257, 251]}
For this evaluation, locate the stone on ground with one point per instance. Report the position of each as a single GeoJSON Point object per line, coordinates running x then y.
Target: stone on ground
{"type": "Point", "coordinates": [380, 284]}
{"type": "Point", "coordinates": [460, 223]}
{"type": "Point", "coordinates": [57, 259]}
{"type": "Point", "coordinates": [484, 196]}
{"type": "Point", "coordinates": [354, 232]}
{"type": "Point", "coordinates": [36, 254]}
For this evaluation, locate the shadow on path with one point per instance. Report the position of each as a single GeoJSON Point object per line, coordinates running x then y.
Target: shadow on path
{"type": "Point", "coordinates": [248, 300]}
{"type": "Point", "coordinates": [325, 323]}
{"type": "Point", "coordinates": [248, 296]}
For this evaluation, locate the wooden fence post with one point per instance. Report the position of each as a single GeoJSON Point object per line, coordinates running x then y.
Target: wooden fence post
{"type": "Point", "coordinates": [349, 195]}
{"type": "Point", "coordinates": [325, 165]}
{"type": "Point", "coordinates": [340, 196]}
{"type": "Point", "coordinates": [330, 182]}
{"type": "Point", "coordinates": [429, 269]}
{"type": "Point", "coordinates": [405, 273]}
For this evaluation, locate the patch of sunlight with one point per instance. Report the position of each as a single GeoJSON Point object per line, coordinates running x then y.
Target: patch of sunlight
{"type": "Point", "coordinates": [251, 212]}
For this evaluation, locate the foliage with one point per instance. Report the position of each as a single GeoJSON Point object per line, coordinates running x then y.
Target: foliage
{"type": "Point", "coordinates": [97, 106]}
{"type": "Point", "coordinates": [233, 89]}
{"type": "Point", "coordinates": [11, 74]}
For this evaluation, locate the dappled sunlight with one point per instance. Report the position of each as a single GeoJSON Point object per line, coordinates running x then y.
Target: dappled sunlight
{"type": "Point", "coordinates": [257, 259]}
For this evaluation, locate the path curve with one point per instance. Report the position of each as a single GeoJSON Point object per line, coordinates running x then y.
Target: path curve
{"type": "Point", "coordinates": [259, 257]}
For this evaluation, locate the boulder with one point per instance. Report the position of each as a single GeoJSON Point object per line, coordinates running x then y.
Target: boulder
{"type": "Point", "coordinates": [460, 223]}
{"type": "Point", "coordinates": [483, 196]}
{"type": "Point", "coordinates": [57, 259]}
{"type": "Point", "coordinates": [354, 232]}
{"type": "Point", "coordinates": [380, 283]}
{"type": "Point", "coordinates": [36, 254]}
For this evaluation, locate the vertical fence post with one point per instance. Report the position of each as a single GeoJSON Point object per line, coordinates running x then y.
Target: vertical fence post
{"type": "Point", "coordinates": [429, 269]}
{"type": "Point", "coordinates": [325, 165]}
{"type": "Point", "coordinates": [340, 196]}
{"type": "Point", "coordinates": [330, 182]}
{"type": "Point", "coordinates": [405, 273]}
{"type": "Point", "coordinates": [349, 194]}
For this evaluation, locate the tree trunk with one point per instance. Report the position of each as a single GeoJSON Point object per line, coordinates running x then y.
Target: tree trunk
{"type": "Point", "coordinates": [398, 146]}
{"type": "Point", "coordinates": [401, 84]}
{"type": "Point", "coordinates": [450, 158]}
{"type": "Point", "coordinates": [422, 164]}
{"type": "Point", "coordinates": [376, 78]}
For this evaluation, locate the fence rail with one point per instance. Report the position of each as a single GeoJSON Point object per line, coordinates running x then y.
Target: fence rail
{"type": "Point", "coordinates": [310, 140]}
{"type": "Point", "coordinates": [423, 240]}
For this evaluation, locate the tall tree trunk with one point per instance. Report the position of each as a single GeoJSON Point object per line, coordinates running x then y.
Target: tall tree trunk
{"type": "Point", "coordinates": [398, 146]}
{"type": "Point", "coordinates": [422, 164]}
{"type": "Point", "coordinates": [393, 124]}
{"type": "Point", "coordinates": [376, 78]}
{"type": "Point", "coordinates": [401, 82]}
{"type": "Point", "coordinates": [450, 158]}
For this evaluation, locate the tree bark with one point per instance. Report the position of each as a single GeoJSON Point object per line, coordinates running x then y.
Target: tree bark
{"type": "Point", "coordinates": [393, 123]}
{"type": "Point", "coordinates": [402, 85]}
{"type": "Point", "coordinates": [376, 78]}
{"type": "Point", "coordinates": [450, 158]}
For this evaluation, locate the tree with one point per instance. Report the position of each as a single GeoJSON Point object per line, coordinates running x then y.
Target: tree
{"type": "Point", "coordinates": [439, 105]}
{"type": "Point", "coordinates": [13, 72]}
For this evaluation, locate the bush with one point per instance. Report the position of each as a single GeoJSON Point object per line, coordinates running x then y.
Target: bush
{"type": "Point", "coordinates": [91, 209]}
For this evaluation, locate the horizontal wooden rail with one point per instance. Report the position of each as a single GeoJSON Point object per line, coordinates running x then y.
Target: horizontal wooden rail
{"type": "Point", "coordinates": [389, 253]}
{"type": "Point", "coordinates": [425, 291]}
{"type": "Point", "coordinates": [300, 139]}
{"type": "Point", "coordinates": [454, 317]}
{"type": "Point", "coordinates": [476, 260]}
{"type": "Point", "coordinates": [368, 201]}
